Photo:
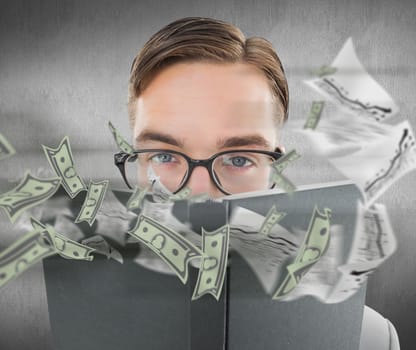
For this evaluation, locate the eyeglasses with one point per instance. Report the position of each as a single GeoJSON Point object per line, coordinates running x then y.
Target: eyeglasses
{"type": "Point", "coordinates": [234, 171]}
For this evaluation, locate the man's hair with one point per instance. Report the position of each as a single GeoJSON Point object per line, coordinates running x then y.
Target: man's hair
{"type": "Point", "coordinates": [196, 39]}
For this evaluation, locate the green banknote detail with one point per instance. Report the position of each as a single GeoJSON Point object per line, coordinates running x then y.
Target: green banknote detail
{"type": "Point", "coordinates": [198, 198]}
{"type": "Point", "coordinates": [282, 182]}
{"type": "Point", "coordinates": [30, 192]}
{"type": "Point", "coordinates": [278, 166]}
{"type": "Point", "coordinates": [121, 142]}
{"type": "Point", "coordinates": [6, 149]}
{"type": "Point", "coordinates": [283, 162]}
{"type": "Point", "coordinates": [174, 249]}
{"type": "Point", "coordinates": [41, 242]}
{"type": "Point", "coordinates": [317, 237]}
{"type": "Point", "coordinates": [313, 247]}
{"type": "Point", "coordinates": [213, 263]}
{"type": "Point", "coordinates": [65, 247]}
{"type": "Point", "coordinates": [136, 199]}
{"type": "Point", "coordinates": [92, 202]}
{"type": "Point", "coordinates": [101, 246]}
{"type": "Point", "coordinates": [22, 254]}
{"type": "Point", "coordinates": [62, 162]}
{"type": "Point", "coordinates": [324, 71]}
{"type": "Point", "coordinates": [182, 194]}
{"type": "Point", "coordinates": [314, 115]}
{"type": "Point", "coordinates": [272, 218]}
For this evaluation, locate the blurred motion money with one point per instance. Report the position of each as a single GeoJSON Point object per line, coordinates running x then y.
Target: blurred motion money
{"type": "Point", "coordinates": [174, 249]}
{"type": "Point", "coordinates": [93, 201]}
{"type": "Point", "coordinates": [6, 149]}
{"type": "Point", "coordinates": [62, 161]}
{"type": "Point", "coordinates": [101, 246]}
{"type": "Point", "coordinates": [31, 191]}
{"type": "Point", "coordinates": [122, 144]}
{"type": "Point", "coordinates": [313, 247]}
{"type": "Point", "coordinates": [213, 266]}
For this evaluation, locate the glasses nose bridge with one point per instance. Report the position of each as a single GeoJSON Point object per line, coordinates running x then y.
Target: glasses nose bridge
{"type": "Point", "coordinates": [193, 163]}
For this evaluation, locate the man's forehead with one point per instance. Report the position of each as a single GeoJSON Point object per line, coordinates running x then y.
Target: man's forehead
{"type": "Point", "coordinates": [207, 104]}
{"type": "Point", "coordinates": [204, 110]}
{"type": "Point", "coordinates": [210, 74]}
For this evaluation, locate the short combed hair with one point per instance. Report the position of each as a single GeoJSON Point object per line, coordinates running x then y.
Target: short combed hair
{"type": "Point", "coordinates": [195, 39]}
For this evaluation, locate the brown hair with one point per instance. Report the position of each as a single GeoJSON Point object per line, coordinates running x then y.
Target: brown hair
{"type": "Point", "coordinates": [206, 39]}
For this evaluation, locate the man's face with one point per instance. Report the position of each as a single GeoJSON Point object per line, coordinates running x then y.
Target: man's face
{"type": "Point", "coordinates": [204, 108]}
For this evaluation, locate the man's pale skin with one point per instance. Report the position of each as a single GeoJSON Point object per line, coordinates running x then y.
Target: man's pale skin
{"type": "Point", "coordinates": [202, 108]}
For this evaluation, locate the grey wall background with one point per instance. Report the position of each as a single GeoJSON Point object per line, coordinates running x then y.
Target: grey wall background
{"type": "Point", "coordinates": [64, 69]}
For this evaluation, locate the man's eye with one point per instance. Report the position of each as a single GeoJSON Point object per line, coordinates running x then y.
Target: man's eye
{"type": "Point", "coordinates": [237, 161]}
{"type": "Point", "coordinates": [163, 158]}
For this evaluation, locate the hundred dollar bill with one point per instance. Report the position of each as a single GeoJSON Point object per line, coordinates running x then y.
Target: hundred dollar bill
{"type": "Point", "coordinates": [92, 202]}
{"type": "Point", "coordinates": [121, 142]}
{"type": "Point", "coordinates": [213, 263]}
{"type": "Point", "coordinates": [283, 162]}
{"type": "Point", "coordinates": [282, 182]}
{"type": "Point", "coordinates": [313, 247]}
{"type": "Point", "coordinates": [65, 247]}
{"type": "Point", "coordinates": [6, 149]}
{"type": "Point", "coordinates": [62, 162]}
{"type": "Point", "coordinates": [22, 254]}
{"type": "Point", "coordinates": [136, 199]}
{"type": "Point", "coordinates": [30, 192]}
{"type": "Point", "coordinates": [272, 218]}
{"type": "Point", "coordinates": [314, 115]}
{"type": "Point", "coordinates": [174, 249]}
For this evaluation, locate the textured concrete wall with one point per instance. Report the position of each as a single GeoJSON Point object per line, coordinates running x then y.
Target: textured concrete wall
{"type": "Point", "coordinates": [64, 68]}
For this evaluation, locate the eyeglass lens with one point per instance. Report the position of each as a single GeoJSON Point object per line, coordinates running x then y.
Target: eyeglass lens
{"type": "Point", "coordinates": [234, 172]}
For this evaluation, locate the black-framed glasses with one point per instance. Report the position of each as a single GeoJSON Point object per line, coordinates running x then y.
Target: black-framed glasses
{"type": "Point", "coordinates": [233, 171]}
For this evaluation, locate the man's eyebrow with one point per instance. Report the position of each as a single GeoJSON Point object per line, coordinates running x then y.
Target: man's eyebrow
{"type": "Point", "coordinates": [148, 135]}
{"type": "Point", "coordinates": [239, 141]}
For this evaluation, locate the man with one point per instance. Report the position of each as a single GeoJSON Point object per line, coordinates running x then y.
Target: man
{"type": "Point", "coordinates": [200, 88]}
{"type": "Point", "coordinates": [206, 106]}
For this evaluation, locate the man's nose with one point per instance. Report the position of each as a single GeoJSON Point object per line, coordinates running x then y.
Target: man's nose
{"type": "Point", "coordinates": [200, 182]}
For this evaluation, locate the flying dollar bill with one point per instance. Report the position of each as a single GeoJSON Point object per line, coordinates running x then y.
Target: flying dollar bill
{"type": "Point", "coordinates": [278, 166]}
{"type": "Point", "coordinates": [121, 142]}
{"type": "Point", "coordinates": [92, 202]}
{"type": "Point", "coordinates": [213, 263]}
{"type": "Point", "coordinates": [283, 162]}
{"type": "Point", "coordinates": [30, 192]}
{"type": "Point", "coordinates": [314, 115]}
{"type": "Point", "coordinates": [198, 198]}
{"type": "Point", "coordinates": [282, 182]}
{"type": "Point", "coordinates": [182, 194]}
{"type": "Point", "coordinates": [25, 252]}
{"type": "Point", "coordinates": [62, 162]}
{"type": "Point", "coordinates": [317, 238]}
{"type": "Point", "coordinates": [6, 149]}
{"type": "Point", "coordinates": [65, 247]}
{"type": "Point", "coordinates": [101, 246]}
{"type": "Point", "coordinates": [136, 199]}
{"type": "Point", "coordinates": [314, 246]}
{"type": "Point", "coordinates": [174, 249]}
{"type": "Point", "coordinates": [272, 218]}
{"type": "Point", "coordinates": [41, 242]}
{"type": "Point", "coordinates": [324, 71]}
